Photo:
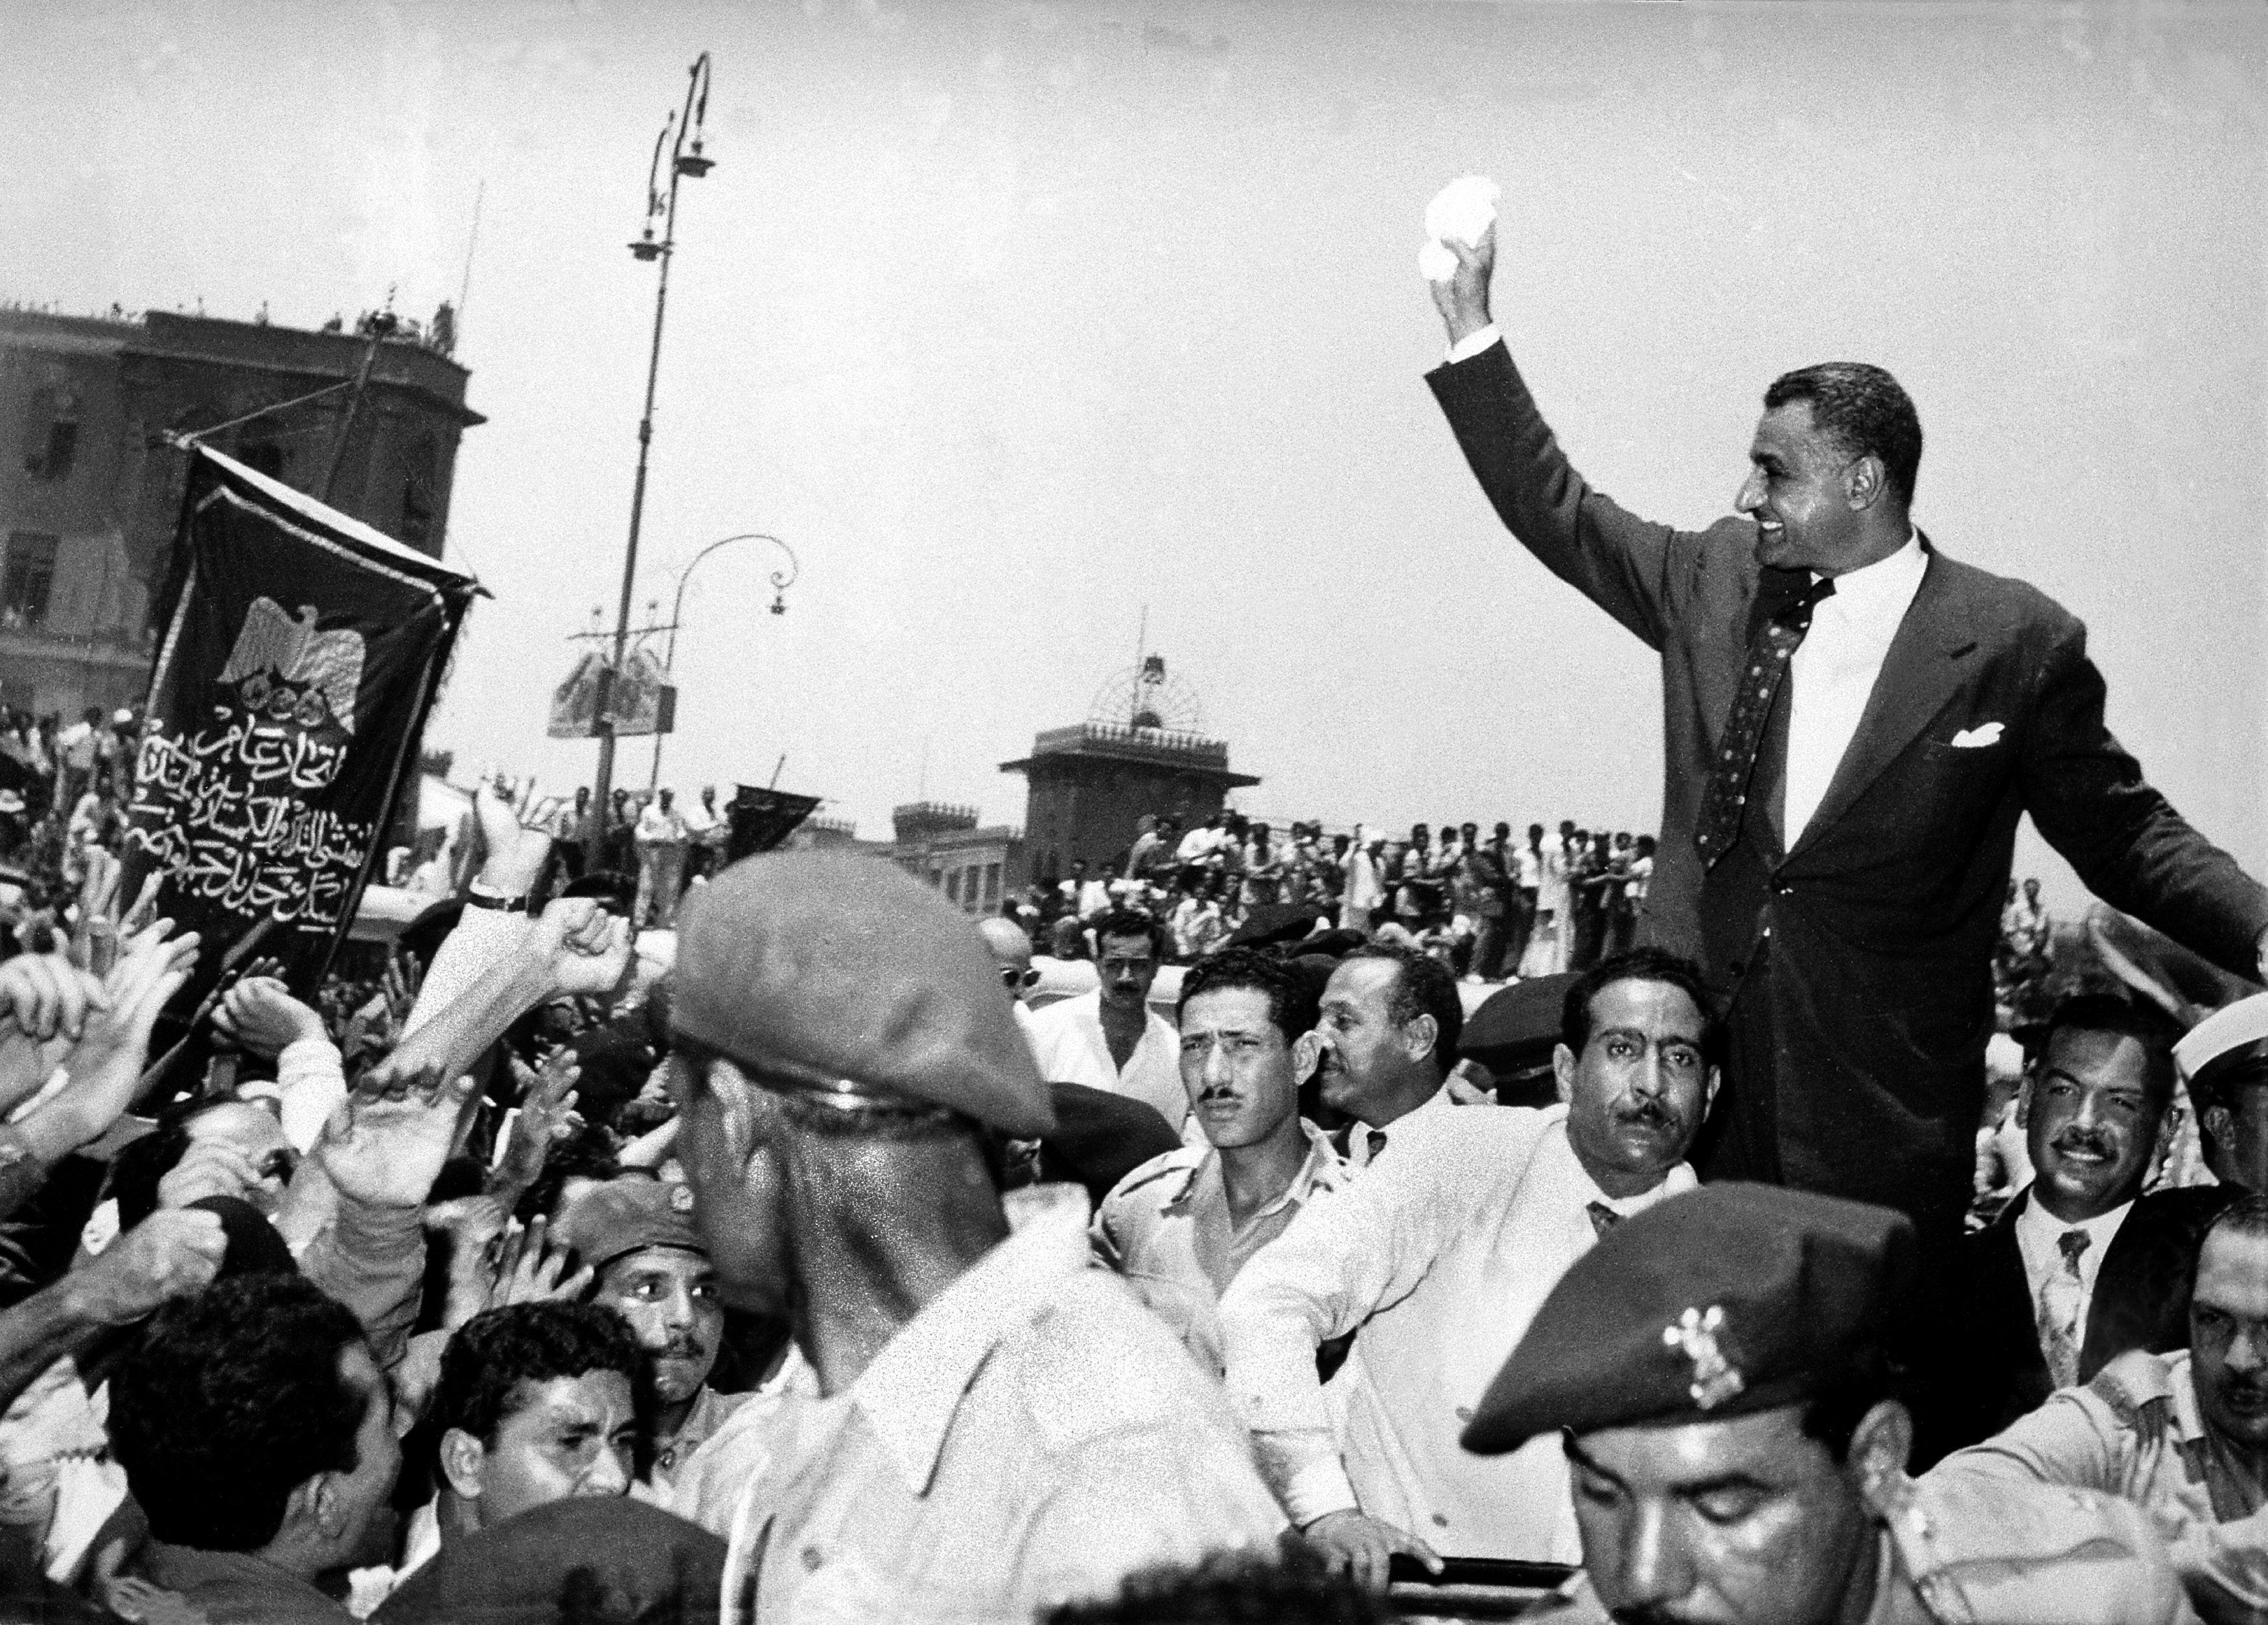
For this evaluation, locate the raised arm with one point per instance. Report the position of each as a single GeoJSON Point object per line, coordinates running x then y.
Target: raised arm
{"type": "Point", "coordinates": [1634, 569]}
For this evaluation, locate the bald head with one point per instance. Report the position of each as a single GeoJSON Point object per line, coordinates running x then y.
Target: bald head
{"type": "Point", "coordinates": [1009, 947]}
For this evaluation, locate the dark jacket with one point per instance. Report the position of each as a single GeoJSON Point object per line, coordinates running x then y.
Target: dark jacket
{"type": "Point", "coordinates": [1874, 998]}
{"type": "Point", "coordinates": [2141, 1301]}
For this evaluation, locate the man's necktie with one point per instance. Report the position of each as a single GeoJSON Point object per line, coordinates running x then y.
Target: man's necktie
{"type": "Point", "coordinates": [2060, 1332]}
{"type": "Point", "coordinates": [1377, 1144]}
{"type": "Point", "coordinates": [1727, 797]}
{"type": "Point", "coordinates": [1603, 1218]}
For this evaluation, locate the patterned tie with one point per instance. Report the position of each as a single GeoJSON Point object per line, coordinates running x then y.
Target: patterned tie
{"type": "Point", "coordinates": [1726, 797]}
{"type": "Point", "coordinates": [1377, 1144]}
{"type": "Point", "coordinates": [2061, 1333]}
{"type": "Point", "coordinates": [1603, 1218]}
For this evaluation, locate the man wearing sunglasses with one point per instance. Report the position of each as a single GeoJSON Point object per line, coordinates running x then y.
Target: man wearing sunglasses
{"type": "Point", "coordinates": [1011, 950]}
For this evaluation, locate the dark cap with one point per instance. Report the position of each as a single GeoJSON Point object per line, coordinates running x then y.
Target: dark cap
{"type": "Point", "coordinates": [626, 1215]}
{"type": "Point", "coordinates": [585, 1557]}
{"type": "Point", "coordinates": [831, 971]}
{"type": "Point", "coordinates": [1514, 1034]}
{"type": "Point", "coordinates": [1724, 1301]}
{"type": "Point", "coordinates": [1100, 1137]}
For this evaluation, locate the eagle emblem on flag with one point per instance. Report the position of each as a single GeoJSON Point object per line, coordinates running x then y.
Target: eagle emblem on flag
{"type": "Point", "coordinates": [290, 672]}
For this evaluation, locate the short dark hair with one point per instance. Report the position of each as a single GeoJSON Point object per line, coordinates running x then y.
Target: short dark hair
{"type": "Point", "coordinates": [1864, 410]}
{"type": "Point", "coordinates": [498, 1350]}
{"type": "Point", "coordinates": [1832, 1416]}
{"type": "Point", "coordinates": [1426, 988]}
{"type": "Point", "coordinates": [2247, 1216]}
{"type": "Point", "coordinates": [1291, 1000]}
{"type": "Point", "coordinates": [229, 1402]}
{"type": "Point", "coordinates": [1642, 964]}
{"type": "Point", "coordinates": [2115, 1012]}
{"type": "Point", "coordinates": [1134, 922]}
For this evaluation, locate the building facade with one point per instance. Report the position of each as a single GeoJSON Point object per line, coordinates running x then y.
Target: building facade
{"type": "Point", "coordinates": [91, 490]}
{"type": "Point", "coordinates": [943, 844]}
{"type": "Point", "coordinates": [1089, 784]}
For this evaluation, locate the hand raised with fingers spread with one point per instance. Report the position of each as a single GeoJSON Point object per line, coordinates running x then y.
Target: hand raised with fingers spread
{"type": "Point", "coordinates": [44, 1001]}
{"type": "Point", "coordinates": [386, 1141]}
{"type": "Point", "coordinates": [105, 1071]}
{"type": "Point", "coordinates": [532, 1268]}
{"type": "Point", "coordinates": [170, 1254]}
{"type": "Point", "coordinates": [546, 1116]}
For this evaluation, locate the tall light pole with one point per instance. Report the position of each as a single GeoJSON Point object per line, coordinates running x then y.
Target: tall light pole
{"type": "Point", "coordinates": [781, 581]}
{"type": "Point", "coordinates": [658, 206]}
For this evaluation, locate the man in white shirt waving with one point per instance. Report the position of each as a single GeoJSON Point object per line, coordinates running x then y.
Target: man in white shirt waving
{"type": "Point", "coordinates": [1440, 1254]}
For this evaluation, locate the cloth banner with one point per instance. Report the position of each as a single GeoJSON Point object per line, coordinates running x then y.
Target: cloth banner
{"type": "Point", "coordinates": [302, 652]}
{"type": "Point", "coordinates": [757, 821]}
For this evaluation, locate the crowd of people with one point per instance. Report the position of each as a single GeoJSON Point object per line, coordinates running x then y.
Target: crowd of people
{"type": "Point", "coordinates": [1490, 906]}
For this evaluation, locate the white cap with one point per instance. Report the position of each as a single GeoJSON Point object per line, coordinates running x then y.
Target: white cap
{"type": "Point", "coordinates": [2238, 1026]}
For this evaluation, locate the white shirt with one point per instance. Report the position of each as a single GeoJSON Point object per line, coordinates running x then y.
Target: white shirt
{"type": "Point", "coordinates": [1834, 670]}
{"type": "Point", "coordinates": [1362, 1149]}
{"type": "Point", "coordinates": [1440, 1254]}
{"type": "Point", "coordinates": [1067, 1041]}
{"type": "Point", "coordinates": [2038, 1233]}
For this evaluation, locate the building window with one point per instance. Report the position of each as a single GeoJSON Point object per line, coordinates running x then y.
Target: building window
{"type": "Point", "coordinates": [953, 887]}
{"type": "Point", "coordinates": [51, 434]}
{"type": "Point", "coordinates": [30, 578]}
{"type": "Point", "coordinates": [992, 885]}
{"type": "Point", "coordinates": [421, 471]}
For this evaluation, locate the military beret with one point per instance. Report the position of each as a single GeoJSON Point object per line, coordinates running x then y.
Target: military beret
{"type": "Point", "coordinates": [832, 972]}
{"type": "Point", "coordinates": [1726, 1300]}
{"type": "Point", "coordinates": [624, 1216]}
{"type": "Point", "coordinates": [1100, 1137]}
{"type": "Point", "coordinates": [585, 1557]}
{"type": "Point", "coordinates": [2224, 1041]}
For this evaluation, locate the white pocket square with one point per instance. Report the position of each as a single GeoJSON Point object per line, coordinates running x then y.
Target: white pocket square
{"type": "Point", "coordinates": [1977, 738]}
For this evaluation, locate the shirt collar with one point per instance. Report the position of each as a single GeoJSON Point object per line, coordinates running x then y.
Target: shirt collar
{"type": "Point", "coordinates": [2043, 1227]}
{"type": "Point", "coordinates": [912, 1389]}
{"type": "Point", "coordinates": [1886, 582]}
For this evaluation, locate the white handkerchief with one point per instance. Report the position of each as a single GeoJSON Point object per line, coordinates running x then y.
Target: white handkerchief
{"type": "Point", "coordinates": [1462, 210]}
{"type": "Point", "coordinates": [1978, 737]}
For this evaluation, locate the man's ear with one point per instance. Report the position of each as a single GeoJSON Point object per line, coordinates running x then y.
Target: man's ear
{"type": "Point", "coordinates": [1880, 1446]}
{"type": "Point", "coordinates": [1865, 483]}
{"type": "Point", "coordinates": [2024, 1102]}
{"type": "Point", "coordinates": [1306, 1055]}
{"type": "Point", "coordinates": [305, 1507]}
{"type": "Point", "coordinates": [462, 1457]}
{"type": "Point", "coordinates": [1563, 1071]}
{"type": "Point", "coordinates": [1709, 1091]}
{"type": "Point", "coordinates": [1420, 1036]}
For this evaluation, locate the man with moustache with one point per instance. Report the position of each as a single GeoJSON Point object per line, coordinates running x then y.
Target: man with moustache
{"type": "Point", "coordinates": [1386, 1037]}
{"type": "Point", "coordinates": [2184, 1435]}
{"type": "Point", "coordinates": [2081, 1267]}
{"type": "Point", "coordinates": [1716, 1374]}
{"type": "Point", "coordinates": [650, 1266]}
{"type": "Point", "coordinates": [1438, 1254]}
{"type": "Point", "coordinates": [1179, 1227]}
{"type": "Point", "coordinates": [1110, 1038]}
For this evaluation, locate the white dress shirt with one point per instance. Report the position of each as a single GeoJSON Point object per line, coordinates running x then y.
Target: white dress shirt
{"type": "Point", "coordinates": [1834, 671]}
{"type": "Point", "coordinates": [1068, 1042]}
{"type": "Point", "coordinates": [2038, 1232]}
{"type": "Point", "coordinates": [1361, 1148]}
{"type": "Point", "coordinates": [1440, 1254]}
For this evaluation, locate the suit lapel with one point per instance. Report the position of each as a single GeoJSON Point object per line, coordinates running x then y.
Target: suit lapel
{"type": "Point", "coordinates": [1924, 667]}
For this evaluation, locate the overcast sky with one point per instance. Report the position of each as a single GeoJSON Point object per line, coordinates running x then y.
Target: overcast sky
{"type": "Point", "coordinates": [1017, 318]}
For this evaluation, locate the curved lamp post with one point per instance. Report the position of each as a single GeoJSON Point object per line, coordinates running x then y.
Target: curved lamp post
{"type": "Point", "coordinates": [782, 580]}
{"type": "Point", "coordinates": [663, 207]}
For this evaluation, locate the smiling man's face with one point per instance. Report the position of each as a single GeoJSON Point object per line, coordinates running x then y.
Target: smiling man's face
{"type": "Point", "coordinates": [2090, 1117]}
{"type": "Point", "coordinates": [1797, 491]}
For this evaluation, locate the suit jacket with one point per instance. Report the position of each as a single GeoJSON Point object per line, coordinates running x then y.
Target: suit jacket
{"type": "Point", "coordinates": [1881, 920]}
{"type": "Point", "coordinates": [2141, 1301]}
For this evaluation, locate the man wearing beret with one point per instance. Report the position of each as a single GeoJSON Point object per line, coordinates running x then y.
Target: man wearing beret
{"type": "Point", "coordinates": [2182, 1435]}
{"type": "Point", "coordinates": [1714, 1370]}
{"type": "Point", "coordinates": [650, 1265]}
{"type": "Point", "coordinates": [1000, 1427]}
{"type": "Point", "coordinates": [2224, 1060]}
{"type": "Point", "coordinates": [1438, 1253]}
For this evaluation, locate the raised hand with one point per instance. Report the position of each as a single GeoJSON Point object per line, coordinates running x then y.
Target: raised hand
{"type": "Point", "coordinates": [473, 1226]}
{"type": "Point", "coordinates": [588, 949]}
{"type": "Point", "coordinates": [44, 1001]}
{"type": "Point", "coordinates": [515, 831]}
{"type": "Point", "coordinates": [260, 1013]}
{"type": "Point", "coordinates": [170, 1254]}
{"type": "Point", "coordinates": [546, 1116]}
{"type": "Point", "coordinates": [533, 1269]}
{"type": "Point", "coordinates": [386, 1141]}
{"type": "Point", "coordinates": [1463, 300]}
{"type": "Point", "coordinates": [105, 1071]}
{"type": "Point", "coordinates": [208, 1168]}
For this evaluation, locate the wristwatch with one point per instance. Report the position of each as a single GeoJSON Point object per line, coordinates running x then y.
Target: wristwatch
{"type": "Point", "coordinates": [479, 896]}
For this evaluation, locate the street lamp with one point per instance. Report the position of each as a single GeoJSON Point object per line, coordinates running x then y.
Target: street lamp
{"type": "Point", "coordinates": [781, 581]}
{"type": "Point", "coordinates": [663, 207]}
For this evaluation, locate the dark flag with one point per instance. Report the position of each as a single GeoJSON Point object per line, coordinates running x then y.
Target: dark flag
{"type": "Point", "coordinates": [757, 821]}
{"type": "Point", "coordinates": [302, 650]}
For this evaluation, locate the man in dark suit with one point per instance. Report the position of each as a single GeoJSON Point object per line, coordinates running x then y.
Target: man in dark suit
{"type": "Point", "coordinates": [1840, 811]}
{"type": "Point", "coordinates": [2081, 1267]}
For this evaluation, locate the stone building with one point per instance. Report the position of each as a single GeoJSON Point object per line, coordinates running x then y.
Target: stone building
{"type": "Point", "coordinates": [1089, 784]}
{"type": "Point", "coordinates": [90, 492]}
{"type": "Point", "coordinates": [942, 844]}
